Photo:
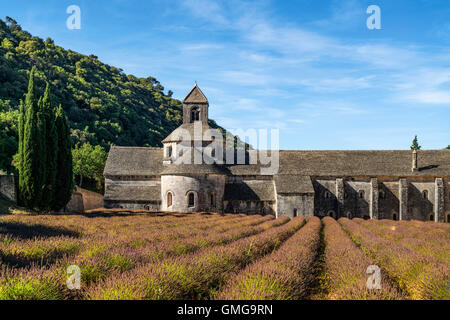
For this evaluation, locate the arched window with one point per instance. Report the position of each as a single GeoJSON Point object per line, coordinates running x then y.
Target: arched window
{"type": "Point", "coordinates": [431, 217]}
{"type": "Point", "coordinates": [213, 200]}
{"type": "Point", "coordinates": [394, 216]}
{"type": "Point", "coordinates": [361, 194]}
{"type": "Point", "coordinates": [327, 194]}
{"type": "Point", "coordinates": [332, 214]}
{"type": "Point", "coordinates": [295, 213]}
{"type": "Point", "coordinates": [349, 214]}
{"type": "Point", "coordinates": [169, 199]}
{"type": "Point", "coordinates": [195, 114]}
{"type": "Point", "coordinates": [213, 153]}
{"type": "Point", "coordinates": [191, 199]}
{"type": "Point", "coordinates": [381, 194]}
{"type": "Point", "coordinates": [425, 194]}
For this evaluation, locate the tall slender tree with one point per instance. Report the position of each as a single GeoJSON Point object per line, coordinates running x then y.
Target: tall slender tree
{"type": "Point", "coordinates": [41, 142]}
{"type": "Point", "coordinates": [51, 150]}
{"type": "Point", "coordinates": [19, 159]}
{"type": "Point", "coordinates": [64, 181]}
{"type": "Point", "coordinates": [30, 182]}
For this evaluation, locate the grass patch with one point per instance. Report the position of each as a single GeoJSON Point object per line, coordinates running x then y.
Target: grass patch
{"type": "Point", "coordinates": [30, 289]}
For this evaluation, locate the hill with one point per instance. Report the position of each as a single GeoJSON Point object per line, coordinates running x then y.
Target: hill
{"type": "Point", "coordinates": [104, 105]}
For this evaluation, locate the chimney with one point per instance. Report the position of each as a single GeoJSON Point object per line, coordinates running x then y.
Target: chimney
{"type": "Point", "coordinates": [414, 161]}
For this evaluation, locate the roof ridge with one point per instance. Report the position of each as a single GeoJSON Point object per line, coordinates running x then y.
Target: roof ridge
{"type": "Point", "coordinates": [133, 147]}
{"type": "Point", "coordinates": [355, 150]}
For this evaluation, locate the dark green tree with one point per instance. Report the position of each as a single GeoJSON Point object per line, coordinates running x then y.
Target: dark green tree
{"type": "Point", "coordinates": [64, 183]}
{"type": "Point", "coordinates": [51, 150]}
{"type": "Point", "coordinates": [415, 144]}
{"type": "Point", "coordinates": [89, 162]}
{"type": "Point", "coordinates": [42, 158]}
{"type": "Point", "coordinates": [19, 158]}
{"type": "Point", "coordinates": [30, 182]}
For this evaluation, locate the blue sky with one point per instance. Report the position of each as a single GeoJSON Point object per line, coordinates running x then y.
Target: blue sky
{"type": "Point", "coordinates": [310, 68]}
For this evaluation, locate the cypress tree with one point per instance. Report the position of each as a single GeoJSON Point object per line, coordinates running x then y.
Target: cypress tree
{"type": "Point", "coordinates": [31, 182]}
{"type": "Point", "coordinates": [20, 152]}
{"type": "Point", "coordinates": [415, 144]}
{"type": "Point", "coordinates": [41, 145]}
{"type": "Point", "coordinates": [64, 182]}
{"type": "Point", "coordinates": [51, 150]}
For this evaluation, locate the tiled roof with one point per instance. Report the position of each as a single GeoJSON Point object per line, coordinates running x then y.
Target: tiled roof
{"type": "Point", "coordinates": [148, 161]}
{"type": "Point", "coordinates": [261, 190]}
{"type": "Point", "coordinates": [293, 184]}
{"type": "Point", "coordinates": [130, 192]}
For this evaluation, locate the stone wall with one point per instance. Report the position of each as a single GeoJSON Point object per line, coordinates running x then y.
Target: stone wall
{"type": "Point", "coordinates": [447, 199]}
{"type": "Point", "coordinates": [249, 207]}
{"type": "Point", "coordinates": [342, 197]}
{"type": "Point", "coordinates": [380, 198]}
{"type": "Point", "coordinates": [420, 206]}
{"type": "Point", "coordinates": [76, 203]}
{"type": "Point", "coordinates": [325, 197]}
{"type": "Point", "coordinates": [202, 186]}
{"type": "Point", "coordinates": [388, 199]}
{"type": "Point", "coordinates": [133, 205]}
{"type": "Point", "coordinates": [293, 205]}
{"type": "Point", "coordinates": [83, 200]}
{"type": "Point", "coordinates": [8, 187]}
{"type": "Point", "coordinates": [357, 198]}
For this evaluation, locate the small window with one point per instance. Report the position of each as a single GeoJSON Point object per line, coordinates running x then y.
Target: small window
{"type": "Point", "coordinates": [394, 217]}
{"type": "Point", "coordinates": [448, 218]}
{"type": "Point", "coordinates": [332, 214]}
{"type": "Point", "coordinates": [191, 199]}
{"type": "Point", "coordinates": [213, 200]}
{"type": "Point", "coordinates": [349, 214]}
{"type": "Point", "coordinates": [425, 194]}
{"type": "Point", "coordinates": [195, 114]}
{"type": "Point", "coordinates": [431, 217]}
{"type": "Point", "coordinates": [213, 153]}
{"type": "Point", "coordinates": [345, 195]}
{"type": "Point", "coordinates": [169, 151]}
{"type": "Point", "coordinates": [382, 194]}
{"type": "Point", "coordinates": [327, 194]}
{"type": "Point", "coordinates": [295, 213]}
{"type": "Point", "coordinates": [169, 199]}
{"type": "Point", "coordinates": [361, 194]}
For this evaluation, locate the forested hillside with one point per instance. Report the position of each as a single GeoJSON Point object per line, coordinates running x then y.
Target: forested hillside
{"type": "Point", "coordinates": [104, 105]}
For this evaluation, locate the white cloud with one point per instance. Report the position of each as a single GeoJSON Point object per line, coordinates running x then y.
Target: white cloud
{"type": "Point", "coordinates": [206, 9]}
{"type": "Point", "coordinates": [430, 97]}
{"type": "Point", "coordinates": [244, 77]}
{"type": "Point", "coordinates": [201, 47]}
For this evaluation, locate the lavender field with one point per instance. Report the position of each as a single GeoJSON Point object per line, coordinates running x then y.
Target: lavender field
{"type": "Point", "coordinates": [141, 255]}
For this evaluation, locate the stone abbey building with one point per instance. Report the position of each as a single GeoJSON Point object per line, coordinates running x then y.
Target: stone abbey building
{"type": "Point", "coordinates": [385, 184]}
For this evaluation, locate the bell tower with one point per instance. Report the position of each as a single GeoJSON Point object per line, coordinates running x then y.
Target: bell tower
{"type": "Point", "coordinates": [195, 106]}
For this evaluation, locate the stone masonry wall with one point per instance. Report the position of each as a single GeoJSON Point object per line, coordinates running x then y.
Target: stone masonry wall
{"type": "Point", "coordinates": [295, 204]}
{"type": "Point", "coordinates": [420, 206]}
{"type": "Point", "coordinates": [8, 187]}
{"type": "Point", "coordinates": [388, 199]}
{"type": "Point", "coordinates": [201, 186]}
